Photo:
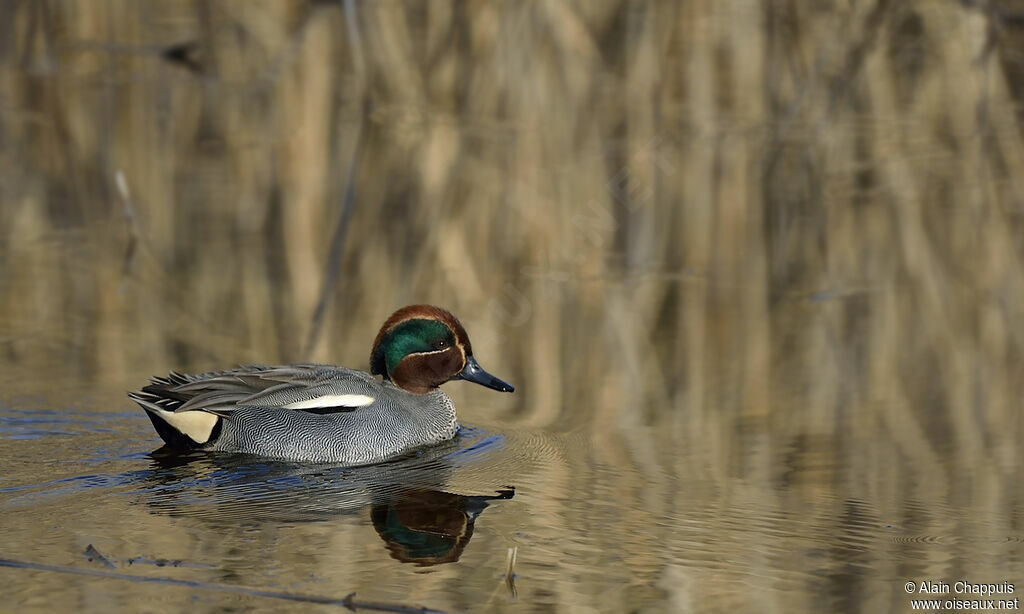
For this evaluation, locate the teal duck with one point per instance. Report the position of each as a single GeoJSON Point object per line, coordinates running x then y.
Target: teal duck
{"type": "Point", "coordinates": [323, 413]}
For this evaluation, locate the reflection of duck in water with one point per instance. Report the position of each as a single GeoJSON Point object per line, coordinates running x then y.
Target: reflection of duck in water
{"type": "Point", "coordinates": [428, 527]}
{"type": "Point", "coordinates": [323, 413]}
{"type": "Point", "coordinates": [416, 518]}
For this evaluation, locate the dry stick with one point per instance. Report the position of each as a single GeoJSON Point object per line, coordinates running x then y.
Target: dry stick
{"type": "Point", "coordinates": [130, 221]}
{"type": "Point", "coordinates": [348, 601]}
{"type": "Point", "coordinates": [95, 555]}
{"type": "Point", "coordinates": [510, 577]}
{"type": "Point", "coordinates": [338, 240]}
{"type": "Point", "coordinates": [510, 571]}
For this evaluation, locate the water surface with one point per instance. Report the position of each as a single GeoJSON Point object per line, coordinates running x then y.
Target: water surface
{"type": "Point", "coordinates": [611, 522]}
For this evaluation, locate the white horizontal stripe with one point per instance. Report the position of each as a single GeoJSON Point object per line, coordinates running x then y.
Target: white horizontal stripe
{"type": "Point", "coordinates": [332, 400]}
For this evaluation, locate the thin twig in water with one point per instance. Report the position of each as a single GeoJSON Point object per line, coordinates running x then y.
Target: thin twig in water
{"type": "Point", "coordinates": [348, 601]}
{"type": "Point", "coordinates": [95, 555]}
{"type": "Point", "coordinates": [510, 571]}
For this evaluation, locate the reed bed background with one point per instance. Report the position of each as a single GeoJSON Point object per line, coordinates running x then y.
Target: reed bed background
{"type": "Point", "coordinates": [671, 224]}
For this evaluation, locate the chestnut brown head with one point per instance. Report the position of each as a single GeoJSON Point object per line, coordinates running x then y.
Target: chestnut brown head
{"type": "Point", "coordinates": [421, 347]}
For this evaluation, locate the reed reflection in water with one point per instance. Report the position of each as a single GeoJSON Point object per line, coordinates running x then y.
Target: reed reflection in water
{"type": "Point", "coordinates": [754, 269]}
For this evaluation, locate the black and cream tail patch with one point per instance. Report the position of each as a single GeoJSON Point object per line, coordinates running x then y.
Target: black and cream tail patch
{"type": "Point", "coordinates": [181, 429]}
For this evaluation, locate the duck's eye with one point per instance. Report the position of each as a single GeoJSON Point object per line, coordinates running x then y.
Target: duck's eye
{"type": "Point", "coordinates": [442, 344]}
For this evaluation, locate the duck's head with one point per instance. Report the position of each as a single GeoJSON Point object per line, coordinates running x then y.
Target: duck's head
{"type": "Point", "coordinates": [421, 347]}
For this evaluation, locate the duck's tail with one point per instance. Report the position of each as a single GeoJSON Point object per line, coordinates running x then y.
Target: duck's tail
{"type": "Point", "coordinates": [185, 430]}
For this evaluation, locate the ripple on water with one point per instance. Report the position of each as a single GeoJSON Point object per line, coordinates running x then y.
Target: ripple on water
{"type": "Point", "coordinates": [42, 423]}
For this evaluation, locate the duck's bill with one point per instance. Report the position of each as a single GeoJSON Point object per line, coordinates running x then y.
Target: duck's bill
{"type": "Point", "coordinates": [473, 372]}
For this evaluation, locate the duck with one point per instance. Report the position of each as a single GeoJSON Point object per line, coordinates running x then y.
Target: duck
{"type": "Point", "coordinates": [325, 413]}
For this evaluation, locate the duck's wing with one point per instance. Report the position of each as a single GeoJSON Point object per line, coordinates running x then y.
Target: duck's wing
{"type": "Point", "coordinates": [305, 387]}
